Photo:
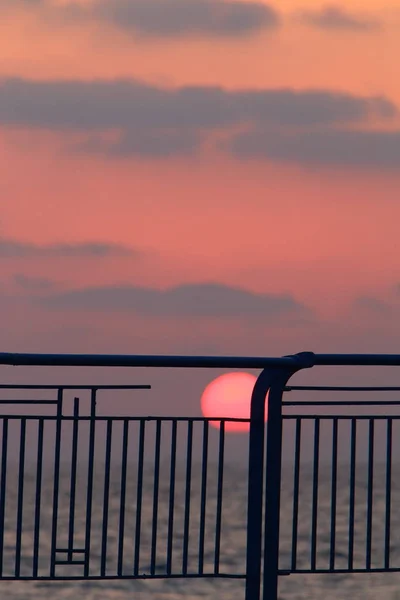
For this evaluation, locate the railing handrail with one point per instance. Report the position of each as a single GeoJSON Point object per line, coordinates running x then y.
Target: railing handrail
{"type": "Point", "coordinates": [139, 360]}
{"type": "Point", "coordinates": [305, 359]}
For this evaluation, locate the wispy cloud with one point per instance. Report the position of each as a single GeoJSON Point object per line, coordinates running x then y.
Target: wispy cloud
{"type": "Point", "coordinates": [17, 249]}
{"type": "Point", "coordinates": [32, 283]}
{"type": "Point", "coordinates": [160, 19]}
{"type": "Point", "coordinates": [335, 17]}
{"type": "Point", "coordinates": [196, 300]}
{"type": "Point", "coordinates": [324, 148]}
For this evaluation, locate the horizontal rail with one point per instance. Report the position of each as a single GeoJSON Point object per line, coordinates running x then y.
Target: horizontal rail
{"type": "Point", "coordinates": [110, 360]}
{"type": "Point", "coordinates": [126, 577]}
{"type": "Point", "coordinates": [302, 360]}
{"type": "Point", "coordinates": [342, 403]}
{"type": "Point", "coordinates": [349, 417]}
{"type": "Point", "coordinates": [128, 418]}
{"type": "Point", "coordinates": [336, 388]}
{"type": "Point", "coordinates": [9, 386]}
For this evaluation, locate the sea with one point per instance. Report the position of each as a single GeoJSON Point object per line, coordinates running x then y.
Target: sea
{"type": "Point", "coordinates": [233, 534]}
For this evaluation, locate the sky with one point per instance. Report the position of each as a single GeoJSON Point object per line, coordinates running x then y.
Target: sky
{"type": "Point", "coordinates": [199, 176]}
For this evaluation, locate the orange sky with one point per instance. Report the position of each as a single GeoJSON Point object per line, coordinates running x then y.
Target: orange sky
{"type": "Point", "coordinates": [324, 236]}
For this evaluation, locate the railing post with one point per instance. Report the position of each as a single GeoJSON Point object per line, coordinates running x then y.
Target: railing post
{"type": "Point", "coordinates": [273, 487]}
{"type": "Point", "coordinates": [273, 474]}
{"type": "Point", "coordinates": [255, 485]}
{"type": "Point", "coordinates": [271, 381]}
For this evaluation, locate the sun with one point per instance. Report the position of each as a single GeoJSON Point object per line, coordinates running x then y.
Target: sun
{"type": "Point", "coordinates": [229, 396]}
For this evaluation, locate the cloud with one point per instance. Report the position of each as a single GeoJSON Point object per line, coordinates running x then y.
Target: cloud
{"type": "Point", "coordinates": [334, 18]}
{"type": "Point", "coordinates": [32, 284]}
{"type": "Point", "coordinates": [150, 121]}
{"type": "Point", "coordinates": [354, 148]}
{"type": "Point", "coordinates": [17, 249]}
{"type": "Point", "coordinates": [130, 104]}
{"type": "Point", "coordinates": [170, 19]}
{"type": "Point", "coordinates": [372, 305]}
{"type": "Point", "coordinates": [144, 143]}
{"type": "Point", "coordinates": [178, 18]}
{"type": "Point", "coordinates": [196, 300]}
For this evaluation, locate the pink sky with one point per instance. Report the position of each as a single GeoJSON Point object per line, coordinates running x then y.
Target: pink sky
{"type": "Point", "coordinates": [273, 232]}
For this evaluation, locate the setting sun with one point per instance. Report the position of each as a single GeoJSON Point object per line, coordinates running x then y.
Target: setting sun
{"type": "Point", "coordinates": [229, 396]}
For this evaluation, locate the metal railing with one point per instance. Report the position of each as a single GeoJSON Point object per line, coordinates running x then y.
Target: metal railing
{"type": "Point", "coordinates": [144, 526]}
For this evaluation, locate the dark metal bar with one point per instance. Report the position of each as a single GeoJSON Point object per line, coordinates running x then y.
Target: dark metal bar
{"type": "Point", "coordinates": [106, 498]}
{"type": "Point", "coordinates": [123, 497]}
{"type": "Point", "coordinates": [38, 498]}
{"type": "Point", "coordinates": [170, 535]}
{"type": "Point", "coordinates": [72, 493]}
{"type": "Point", "coordinates": [56, 480]}
{"type": "Point", "coordinates": [314, 517]}
{"type": "Point", "coordinates": [341, 417]}
{"type": "Point", "coordinates": [296, 493]}
{"type": "Point", "coordinates": [89, 496]}
{"type": "Point", "coordinates": [220, 489]}
{"type": "Point", "coordinates": [139, 497]}
{"type": "Point", "coordinates": [112, 360]}
{"type": "Point", "coordinates": [29, 402]}
{"type": "Point", "coordinates": [334, 494]}
{"type": "Point", "coordinates": [20, 501]}
{"type": "Point", "coordinates": [341, 388]}
{"type": "Point", "coordinates": [68, 562]}
{"type": "Point", "coordinates": [353, 440]}
{"type": "Point", "coordinates": [8, 386]}
{"type": "Point", "coordinates": [343, 403]}
{"type": "Point", "coordinates": [187, 498]}
{"type": "Point", "coordinates": [123, 418]}
{"type": "Point", "coordinates": [301, 360]}
{"type": "Point", "coordinates": [370, 493]}
{"type": "Point", "coordinates": [155, 499]}
{"type": "Point", "coordinates": [389, 432]}
{"type": "Point", "coordinates": [203, 499]}
{"type": "Point", "coordinates": [143, 577]}
{"type": "Point", "coordinates": [255, 486]}
{"type": "Point", "coordinates": [4, 447]}
{"type": "Point", "coordinates": [273, 485]}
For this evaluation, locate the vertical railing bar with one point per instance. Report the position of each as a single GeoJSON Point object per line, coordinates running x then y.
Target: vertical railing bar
{"type": "Point", "coordinates": [56, 482]}
{"type": "Point", "coordinates": [89, 495]}
{"type": "Point", "coordinates": [171, 497]}
{"type": "Point", "coordinates": [353, 441]}
{"type": "Point", "coordinates": [139, 497]}
{"type": "Point", "coordinates": [388, 490]}
{"type": "Point", "coordinates": [38, 498]}
{"type": "Point", "coordinates": [187, 498]}
{"type": "Point", "coordinates": [72, 494]}
{"type": "Point", "coordinates": [20, 501]}
{"type": "Point", "coordinates": [220, 488]}
{"type": "Point", "coordinates": [333, 493]}
{"type": "Point", "coordinates": [106, 498]}
{"type": "Point", "coordinates": [155, 498]}
{"type": "Point", "coordinates": [315, 495]}
{"type": "Point", "coordinates": [4, 447]}
{"type": "Point", "coordinates": [203, 500]}
{"type": "Point", "coordinates": [296, 484]}
{"type": "Point", "coordinates": [370, 493]}
{"type": "Point", "coordinates": [122, 497]}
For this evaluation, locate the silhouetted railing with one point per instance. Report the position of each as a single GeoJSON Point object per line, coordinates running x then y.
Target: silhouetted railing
{"type": "Point", "coordinates": [132, 497]}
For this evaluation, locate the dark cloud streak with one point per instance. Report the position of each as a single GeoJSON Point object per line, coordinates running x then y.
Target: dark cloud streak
{"type": "Point", "coordinates": [334, 18]}
{"type": "Point", "coordinates": [124, 104]}
{"type": "Point", "coordinates": [178, 18]}
{"type": "Point", "coordinates": [344, 148]}
{"type": "Point", "coordinates": [196, 300]}
{"type": "Point", "coordinates": [18, 249]}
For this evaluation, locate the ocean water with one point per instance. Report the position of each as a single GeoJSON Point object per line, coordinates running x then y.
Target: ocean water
{"type": "Point", "coordinates": [233, 535]}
